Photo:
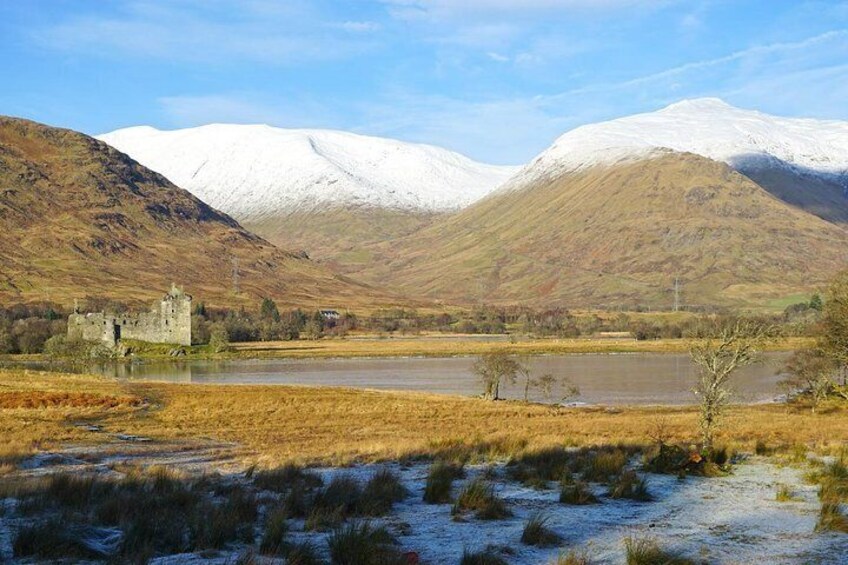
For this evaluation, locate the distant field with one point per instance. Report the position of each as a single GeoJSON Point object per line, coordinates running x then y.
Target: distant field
{"type": "Point", "coordinates": [273, 424]}
{"type": "Point", "coordinates": [446, 347]}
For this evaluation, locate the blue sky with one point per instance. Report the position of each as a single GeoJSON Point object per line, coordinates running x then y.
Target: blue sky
{"type": "Point", "coordinates": [497, 80]}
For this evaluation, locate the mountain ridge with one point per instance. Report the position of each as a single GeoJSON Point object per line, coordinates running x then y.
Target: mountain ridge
{"type": "Point", "coordinates": [79, 217]}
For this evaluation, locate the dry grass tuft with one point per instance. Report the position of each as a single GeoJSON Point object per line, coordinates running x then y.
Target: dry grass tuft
{"type": "Point", "coordinates": [646, 551]}
{"type": "Point", "coordinates": [479, 497]}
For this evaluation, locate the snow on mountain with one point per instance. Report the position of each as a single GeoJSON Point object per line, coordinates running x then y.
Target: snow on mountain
{"type": "Point", "coordinates": [709, 127]}
{"type": "Point", "coordinates": [256, 171]}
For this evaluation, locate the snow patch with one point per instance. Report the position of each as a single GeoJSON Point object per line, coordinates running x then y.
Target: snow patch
{"type": "Point", "coordinates": [253, 172]}
{"type": "Point", "coordinates": [708, 127]}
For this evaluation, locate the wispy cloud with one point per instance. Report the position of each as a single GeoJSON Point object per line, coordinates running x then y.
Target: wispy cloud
{"type": "Point", "coordinates": [209, 33]}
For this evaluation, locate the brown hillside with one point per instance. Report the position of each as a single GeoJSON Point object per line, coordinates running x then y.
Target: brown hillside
{"type": "Point", "coordinates": [341, 237]}
{"type": "Point", "coordinates": [79, 218]}
{"type": "Point", "coordinates": [619, 235]}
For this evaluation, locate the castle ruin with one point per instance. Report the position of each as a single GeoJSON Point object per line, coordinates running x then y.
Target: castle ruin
{"type": "Point", "coordinates": [168, 321]}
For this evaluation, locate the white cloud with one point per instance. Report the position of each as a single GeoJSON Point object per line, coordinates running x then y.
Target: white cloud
{"type": "Point", "coordinates": [208, 32]}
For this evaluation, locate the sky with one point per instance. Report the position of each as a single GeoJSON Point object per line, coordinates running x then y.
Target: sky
{"type": "Point", "coordinates": [497, 80]}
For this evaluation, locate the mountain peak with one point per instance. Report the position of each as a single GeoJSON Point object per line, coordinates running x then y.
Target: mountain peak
{"type": "Point", "coordinates": [257, 171]}
{"type": "Point", "coordinates": [707, 103]}
{"type": "Point", "coordinates": [705, 126]}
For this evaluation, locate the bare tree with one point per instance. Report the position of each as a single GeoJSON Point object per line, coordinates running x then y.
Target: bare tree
{"type": "Point", "coordinates": [811, 371]}
{"type": "Point", "coordinates": [493, 369]}
{"type": "Point", "coordinates": [834, 338]}
{"type": "Point", "coordinates": [727, 345]}
{"type": "Point", "coordinates": [560, 388]}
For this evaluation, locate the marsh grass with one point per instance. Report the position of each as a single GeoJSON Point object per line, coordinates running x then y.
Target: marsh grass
{"type": "Point", "coordinates": [577, 493]}
{"type": "Point", "coordinates": [274, 534]}
{"type": "Point", "coordinates": [631, 486]}
{"type": "Point", "coordinates": [536, 532]}
{"type": "Point", "coordinates": [603, 466]}
{"type": "Point", "coordinates": [159, 512]}
{"type": "Point", "coordinates": [486, 556]}
{"type": "Point", "coordinates": [440, 480]}
{"type": "Point", "coordinates": [646, 551]}
{"type": "Point", "coordinates": [360, 543]}
{"type": "Point", "coordinates": [785, 493]}
{"type": "Point", "coordinates": [573, 557]}
{"type": "Point", "coordinates": [381, 492]}
{"type": "Point", "coordinates": [479, 497]}
{"type": "Point", "coordinates": [52, 539]}
{"type": "Point", "coordinates": [286, 478]}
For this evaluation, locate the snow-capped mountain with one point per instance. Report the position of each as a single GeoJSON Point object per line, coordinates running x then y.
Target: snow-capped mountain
{"type": "Point", "coordinates": [744, 139]}
{"type": "Point", "coordinates": [255, 172]}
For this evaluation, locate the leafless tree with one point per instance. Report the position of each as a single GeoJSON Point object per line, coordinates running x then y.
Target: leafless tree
{"type": "Point", "coordinates": [493, 369]}
{"type": "Point", "coordinates": [727, 345]}
{"type": "Point", "coordinates": [834, 338]}
{"type": "Point", "coordinates": [811, 371]}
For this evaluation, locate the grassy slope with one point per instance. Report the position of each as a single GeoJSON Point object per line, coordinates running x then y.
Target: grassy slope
{"type": "Point", "coordinates": [282, 423]}
{"type": "Point", "coordinates": [79, 218]}
{"type": "Point", "coordinates": [619, 235]}
{"type": "Point", "coordinates": [340, 237]}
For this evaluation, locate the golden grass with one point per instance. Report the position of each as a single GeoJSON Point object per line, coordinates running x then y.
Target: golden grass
{"type": "Point", "coordinates": [279, 424]}
{"type": "Point", "coordinates": [435, 347]}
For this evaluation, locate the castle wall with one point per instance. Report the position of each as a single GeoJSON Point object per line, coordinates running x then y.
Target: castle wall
{"type": "Point", "coordinates": [168, 322]}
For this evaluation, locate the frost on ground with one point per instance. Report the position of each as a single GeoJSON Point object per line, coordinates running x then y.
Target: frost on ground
{"type": "Point", "coordinates": [731, 519]}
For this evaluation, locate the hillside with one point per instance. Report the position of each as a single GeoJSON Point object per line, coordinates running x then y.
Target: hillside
{"type": "Point", "coordinates": [303, 188]}
{"type": "Point", "coordinates": [801, 161]}
{"type": "Point", "coordinates": [79, 218]}
{"type": "Point", "coordinates": [613, 234]}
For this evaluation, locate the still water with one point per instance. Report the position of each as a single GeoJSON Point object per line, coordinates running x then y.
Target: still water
{"type": "Point", "coordinates": [633, 378]}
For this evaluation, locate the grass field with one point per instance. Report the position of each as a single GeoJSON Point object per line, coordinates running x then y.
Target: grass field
{"type": "Point", "coordinates": [434, 347]}
{"type": "Point", "coordinates": [276, 424]}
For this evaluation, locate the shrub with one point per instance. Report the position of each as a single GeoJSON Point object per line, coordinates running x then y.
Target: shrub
{"type": "Point", "coordinates": [487, 556]}
{"type": "Point", "coordinates": [479, 496]}
{"type": "Point", "coordinates": [577, 493]}
{"type": "Point", "coordinates": [632, 486]}
{"type": "Point", "coordinates": [362, 544]}
{"type": "Point", "coordinates": [381, 492]}
{"type": "Point", "coordinates": [536, 532]}
{"type": "Point", "coordinates": [440, 481]}
{"type": "Point", "coordinates": [219, 339]}
{"type": "Point", "coordinates": [648, 552]}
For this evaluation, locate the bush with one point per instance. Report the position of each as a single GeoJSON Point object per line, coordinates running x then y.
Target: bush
{"type": "Point", "coordinates": [536, 532]}
{"type": "Point", "coordinates": [219, 339]}
{"type": "Point", "coordinates": [630, 485]}
{"type": "Point", "coordinates": [362, 544]}
{"type": "Point", "coordinates": [440, 481]}
{"type": "Point", "coordinates": [479, 496]}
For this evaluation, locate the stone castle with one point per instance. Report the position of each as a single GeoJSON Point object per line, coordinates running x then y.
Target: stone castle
{"type": "Point", "coordinates": [169, 321]}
